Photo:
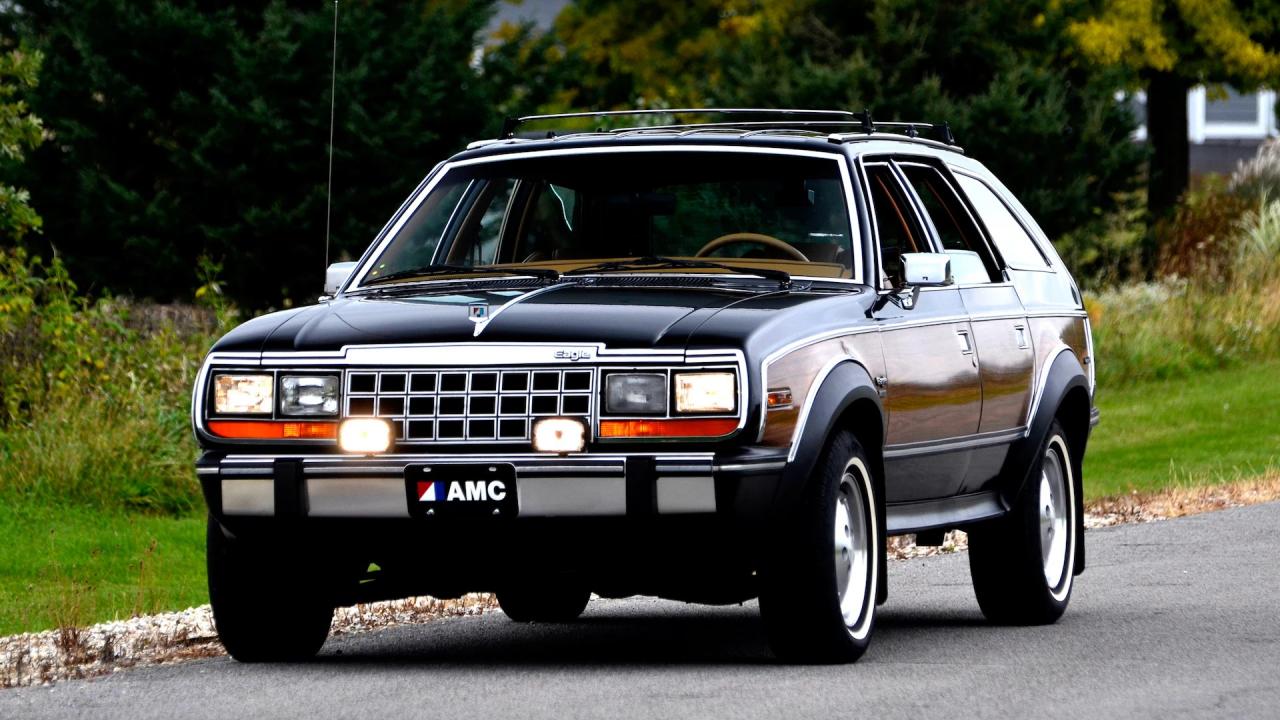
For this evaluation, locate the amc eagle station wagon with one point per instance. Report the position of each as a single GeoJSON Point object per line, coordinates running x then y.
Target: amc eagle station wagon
{"type": "Point", "coordinates": [706, 361]}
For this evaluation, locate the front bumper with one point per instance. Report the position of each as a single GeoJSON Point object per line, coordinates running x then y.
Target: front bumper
{"type": "Point", "coordinates": [337, 486]}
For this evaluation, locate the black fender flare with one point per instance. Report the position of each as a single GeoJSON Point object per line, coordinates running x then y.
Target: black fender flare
{"type": "Point", "coordinates": [1065, 378]}
{"type": "Point", "coordinates": [838, 389]}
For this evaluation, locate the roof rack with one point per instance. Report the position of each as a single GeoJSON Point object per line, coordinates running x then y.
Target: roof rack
{"type": "Point", "coordinates": [793, 120]}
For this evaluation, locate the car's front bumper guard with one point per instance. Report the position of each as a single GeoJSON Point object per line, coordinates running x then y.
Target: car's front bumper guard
{"type": "Point", "coordinates": [332, 486]}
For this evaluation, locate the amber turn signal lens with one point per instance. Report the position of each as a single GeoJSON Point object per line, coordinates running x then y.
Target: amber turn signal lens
{"type": "Point", "coordinates": [677, 428]}
{"type": "Point", "coordinates": [779, 398]}
{"type": "Point", "coordinates": [271, 430]}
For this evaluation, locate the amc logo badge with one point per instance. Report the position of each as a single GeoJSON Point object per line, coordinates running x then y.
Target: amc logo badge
{"type": "Point", "coordinates": [477, 312]}
{"type": "Point", "coordinates": [462, 491]}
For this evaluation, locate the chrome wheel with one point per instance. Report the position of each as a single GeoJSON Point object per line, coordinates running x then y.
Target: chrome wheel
{"type": "Point", "coordinates": [1055, 515]}
{"type": "Point", "coordinates": [852, 549]}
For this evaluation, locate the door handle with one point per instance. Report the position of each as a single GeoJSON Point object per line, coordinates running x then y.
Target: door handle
{"type": "Point", "coordinates": [966, 347]}
{"type": "Point", "coordinates": [1020, 332]}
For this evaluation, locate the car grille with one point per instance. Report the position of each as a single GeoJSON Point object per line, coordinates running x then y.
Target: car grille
{"type": "Point", "coordinates": [450, 406]}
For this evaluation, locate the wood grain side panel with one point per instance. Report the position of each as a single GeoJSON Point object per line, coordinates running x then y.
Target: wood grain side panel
{"type": "Point", "coordinates": [798, 371]}
{"type": "Point", "coordinates": [934, 393]}
{"type": "Point", "coordinates": [1007, 372]}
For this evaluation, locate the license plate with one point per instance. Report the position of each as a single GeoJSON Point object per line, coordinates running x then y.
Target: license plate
{"type": "Point", "coordinates": [480, 489]}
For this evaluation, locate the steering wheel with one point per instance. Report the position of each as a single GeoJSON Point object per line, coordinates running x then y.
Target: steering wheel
{"type": "Point", "coordinates": [748, 237]}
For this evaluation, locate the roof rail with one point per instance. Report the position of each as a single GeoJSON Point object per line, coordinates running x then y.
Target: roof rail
{"type": "Point", "coordinates": [763, 119]}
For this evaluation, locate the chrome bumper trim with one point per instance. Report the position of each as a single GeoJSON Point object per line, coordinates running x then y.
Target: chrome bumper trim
{"type": "Point", "coordinates": [356, 498]}
{"type": "Point", "coordinates": [546, 486]}
{"type": "Point", "coordinates": [683, 495]}
{"type": "Point", "coordinates": [253, 498]}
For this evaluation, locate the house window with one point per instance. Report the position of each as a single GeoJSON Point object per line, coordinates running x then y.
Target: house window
{"type": "Point", "coordinates": [1235, 108]}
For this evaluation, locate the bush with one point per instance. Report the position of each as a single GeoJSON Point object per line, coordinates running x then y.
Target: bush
{"type": "Point", "coordinates": [1218, 313]}
{"type": "Point", "coordinates": [94, 395]}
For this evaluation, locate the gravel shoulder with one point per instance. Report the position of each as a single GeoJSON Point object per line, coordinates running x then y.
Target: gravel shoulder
{"type": "Point", "coordinates": [1172, 619]}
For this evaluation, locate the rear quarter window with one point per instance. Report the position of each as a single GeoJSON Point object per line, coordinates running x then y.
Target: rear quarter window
{"type": "Point", "coordinates": [1011, 239]}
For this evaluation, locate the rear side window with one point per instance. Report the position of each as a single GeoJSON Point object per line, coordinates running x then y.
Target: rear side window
{"type": "Point", "coordinates": [1013, 242]}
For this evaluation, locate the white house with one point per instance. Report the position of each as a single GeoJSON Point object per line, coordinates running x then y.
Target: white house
{"type": "Point", "coordinates": [1221, 132]}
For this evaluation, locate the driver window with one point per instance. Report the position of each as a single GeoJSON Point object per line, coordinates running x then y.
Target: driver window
{"type": "Point", "coordinates": [549, 229]}
{"type": "Point", "coordinates": [898, 231]}
{"type": "Point", "coordinates": [481, 232]}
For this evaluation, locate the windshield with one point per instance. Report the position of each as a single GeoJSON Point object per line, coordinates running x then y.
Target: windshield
{"type": "Point", "coordinates": [564, 212]}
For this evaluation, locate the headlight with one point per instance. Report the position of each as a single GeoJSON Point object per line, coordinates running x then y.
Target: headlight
{"type": "Point", "coordinates": [705, 392]}
{"type": "Point", "coordinates": [243, 394]}
{"type": "Point", "coordinates": [309, 395]}
{"type": "Point", "coordinates": [635, 393]}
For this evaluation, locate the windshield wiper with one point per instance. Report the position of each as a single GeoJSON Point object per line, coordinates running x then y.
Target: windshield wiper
{"type": "Point", "coordinates": [450, 269]}
{"type": "Point", "coordinates": [659, 262]}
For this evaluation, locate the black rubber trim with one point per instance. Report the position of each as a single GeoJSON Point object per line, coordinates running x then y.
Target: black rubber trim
{"type": "Point", "coordinates": [642, 487]}
{"type": "Point", "coordinates": [289, 491]}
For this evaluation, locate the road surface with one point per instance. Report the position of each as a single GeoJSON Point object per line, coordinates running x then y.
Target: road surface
{"type": "Point", "coordinates": [1173, 619]}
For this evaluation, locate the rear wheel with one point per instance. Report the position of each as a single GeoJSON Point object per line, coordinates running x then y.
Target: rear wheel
{"type": "Point", "coordinates": [555, 601]}
{"type": "Point", "coordinates": [267, 605]}
{"type": "Point", "coordinates": [818, 594]}
{"type": "Point", "coordinates": [1023, 564]}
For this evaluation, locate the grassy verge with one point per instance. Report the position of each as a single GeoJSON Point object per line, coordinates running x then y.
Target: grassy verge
{"type": "Point", "coordinates": [1196, 430]}
{"type": "Point", "coordinates": [73, 566]}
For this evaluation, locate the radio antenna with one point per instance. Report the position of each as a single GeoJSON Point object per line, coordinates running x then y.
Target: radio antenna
{"type": "Point", "coordinates": [333, 89]}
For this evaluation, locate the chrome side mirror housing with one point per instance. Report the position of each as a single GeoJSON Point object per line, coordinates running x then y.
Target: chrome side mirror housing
{"type": "Point", "coordinates": [926, 270]}
{"type": "Point", "coordinates": [335, 276]}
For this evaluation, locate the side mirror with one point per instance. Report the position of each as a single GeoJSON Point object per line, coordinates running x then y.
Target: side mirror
{"type": "Point", "coordinates": [336, 275]}
{"type": "Point", "coordinates": [926, 269]}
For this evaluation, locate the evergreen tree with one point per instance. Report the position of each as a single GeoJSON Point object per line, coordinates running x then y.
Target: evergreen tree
{"type": "Point", "coordinates": [184, 129]}
{"type": "Point", "coordinates": [20, 131]}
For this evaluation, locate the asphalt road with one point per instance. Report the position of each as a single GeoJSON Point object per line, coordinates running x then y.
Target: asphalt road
{"type": "Point", "coordinates": [1173, 619]}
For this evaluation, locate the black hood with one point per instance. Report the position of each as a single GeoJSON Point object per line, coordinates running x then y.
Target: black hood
{"type": "Point", "coordinates": [617, 317]}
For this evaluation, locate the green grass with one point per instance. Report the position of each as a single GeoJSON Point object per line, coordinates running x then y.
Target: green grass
{"type": "Point", "coordinates": [1195, 430]}
{"type": "Point", "coordinates": [77, 566]}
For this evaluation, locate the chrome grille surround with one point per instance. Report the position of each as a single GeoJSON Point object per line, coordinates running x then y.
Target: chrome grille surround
{"type": "Point", "coordinates": [459, 405]}
{"type": "Point", "coordinates": [464, 358]}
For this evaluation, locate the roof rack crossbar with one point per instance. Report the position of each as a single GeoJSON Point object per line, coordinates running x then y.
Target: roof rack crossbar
{"type": "Point", "coordinates": [510, 124]}
{"type": "Point", "coordinates": [786, 119]}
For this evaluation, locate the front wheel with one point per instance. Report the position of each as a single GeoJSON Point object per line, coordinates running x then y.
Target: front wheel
{"type": "Point", "coordinates": [818, 592]}
{"type": "Point", "coordinates": [268, 605]}
{"type": "Point", "coordinates": [1023, 564]}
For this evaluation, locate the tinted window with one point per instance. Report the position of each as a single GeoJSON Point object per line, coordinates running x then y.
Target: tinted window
{"type": "Point", "coordinates": [1013, 242]}
{"type": "Point", "coordinates": [566, 211]}
{"type": "Point", "coordinates": [960, 237]}
{"type": "Point", "coordinates": [896, 225]}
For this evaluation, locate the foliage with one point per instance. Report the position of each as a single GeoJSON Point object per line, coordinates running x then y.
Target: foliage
{"type": "Point", "coordinates": [93, 395]}
{"type": "Point", "coordinates": [1166, 47]}
{"type": "Point", "coordinates": [1202, 236]}
{"type": "Point", "coordinates": [1259, 177]}
{"type": "Point", "coordinates": [993, 70]}
{"type": "Point", "coordinates": [20, 131]}
{"type": "Point", "coordinates": [1208, 41]}
{"type": "Point", "coordinates": [205, 133]}
{"type": "Point", "coordinates": [1221, 313]}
